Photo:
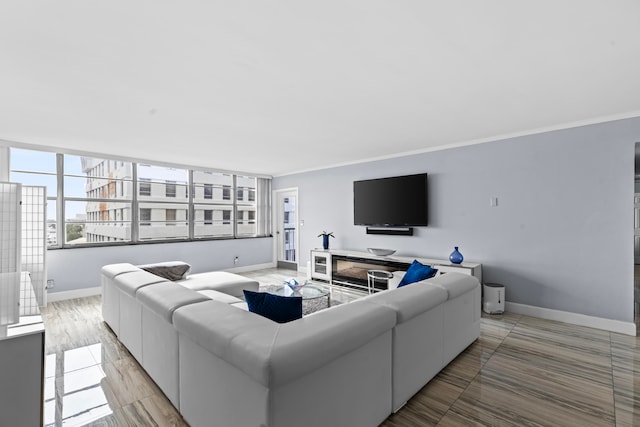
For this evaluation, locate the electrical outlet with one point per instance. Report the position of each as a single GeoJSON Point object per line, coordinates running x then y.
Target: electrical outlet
{"type": "Point", "coordinates": [50, 283]}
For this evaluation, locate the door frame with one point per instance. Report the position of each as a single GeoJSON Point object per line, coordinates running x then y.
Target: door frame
{"type": "Point", "coordinates": [275, 221]}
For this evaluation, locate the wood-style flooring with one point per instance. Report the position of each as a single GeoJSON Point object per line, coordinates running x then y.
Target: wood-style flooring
{"type": "Point", "coordinates": [522, 371]}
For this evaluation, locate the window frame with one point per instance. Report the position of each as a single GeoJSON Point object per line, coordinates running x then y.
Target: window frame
{"type": "Point", "coordinates": [127, 192]}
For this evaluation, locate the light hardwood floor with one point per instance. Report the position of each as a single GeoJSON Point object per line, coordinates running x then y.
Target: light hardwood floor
{"type": "Point", "coordinates": [521, 371]}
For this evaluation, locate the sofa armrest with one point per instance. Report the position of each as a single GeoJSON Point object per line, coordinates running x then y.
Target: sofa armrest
{"type": "Point", "coordinates": [112, 270]}
{"type": "Point", "coordinates": [455, 283]}
{"type": "Point", "coordinates": [410, 301]}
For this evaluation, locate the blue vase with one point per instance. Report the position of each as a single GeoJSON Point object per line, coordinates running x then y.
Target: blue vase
{"type": "Point", "coordinates": [325, 241]}
{"type": "Point", "coordinates": [456, 257]}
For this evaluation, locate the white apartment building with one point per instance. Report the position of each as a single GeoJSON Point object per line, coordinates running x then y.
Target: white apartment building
{"type": "Point", "coordinates": [164, 206]}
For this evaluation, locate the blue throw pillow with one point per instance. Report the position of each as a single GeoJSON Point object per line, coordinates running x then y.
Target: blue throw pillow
{"type": "Point", "coordinates": [274, 307]}
{"type": "Point", "coordinates": [416, 273]}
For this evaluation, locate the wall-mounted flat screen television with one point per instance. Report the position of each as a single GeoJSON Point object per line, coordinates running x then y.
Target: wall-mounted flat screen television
{"type": "Point", "coordinates": [397, 201]}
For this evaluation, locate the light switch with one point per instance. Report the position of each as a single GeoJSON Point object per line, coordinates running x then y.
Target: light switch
{"type": "Point", "coordinates": [493, 202]}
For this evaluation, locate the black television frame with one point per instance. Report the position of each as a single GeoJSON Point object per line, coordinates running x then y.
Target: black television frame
{"type": "Point", "coordinates": [392, 188]}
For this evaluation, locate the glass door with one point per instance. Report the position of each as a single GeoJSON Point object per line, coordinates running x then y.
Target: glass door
{"type": "Point", "coordinates": [287, 228]}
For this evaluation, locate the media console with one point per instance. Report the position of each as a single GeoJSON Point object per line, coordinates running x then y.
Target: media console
{"type": "Point", "coordinates": [349, 268]}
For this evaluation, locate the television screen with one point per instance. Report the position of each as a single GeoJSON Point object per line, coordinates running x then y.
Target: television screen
{"type": "Point", "coordinates": [395, 201]}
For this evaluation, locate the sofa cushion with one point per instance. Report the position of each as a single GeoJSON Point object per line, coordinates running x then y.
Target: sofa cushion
{"type": "Point", "coordinates": [170, 270]}
{"type": "Point", "coordinates": [219, 296]}
{"type": "Point", "coordinates": [409, 301]}
{"type": "Point", "coordinates": [417, 272]}
{"type": "Point", "coordinates": [131, 282]}
{"type": "Point", "coordinates": [223, 281]}
{"type": "Point", "coordinates": [275, 307]}
{"type": "Point", "coordinates": [113, 270]}
{"type": "Point", "coordinates": [164, 298]}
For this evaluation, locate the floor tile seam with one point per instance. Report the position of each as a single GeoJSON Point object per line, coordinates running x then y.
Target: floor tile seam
{"type": "Point", "coordinates": [472, 379]}
{"type": "Point", "coordinates": [613, 384]}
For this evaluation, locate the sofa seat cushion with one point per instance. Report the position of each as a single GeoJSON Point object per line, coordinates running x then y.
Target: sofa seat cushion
{"type": "Point", "coordinates": [131, 282]}
{"type": "Point", "coordinates": [170, 270]}
{"type": "Point", "coordinates": [219, 296]}
{"type": "Point", "coordinates": [223, 281]}
{"type": "Point", "coordinates": [113, 270]}
{"type": "Point", "coordinates": [164, 298]}
{"type": "Point", "coordinates": [275, 307]}
{"type": "Point", "coordinates": [241, 305]}
{"type": "Point", "coordinates": [275, 353]}
{"type": "Point", "coordinates": [410, 301]}
{"type": "Point", "coordinates": [455, 284]}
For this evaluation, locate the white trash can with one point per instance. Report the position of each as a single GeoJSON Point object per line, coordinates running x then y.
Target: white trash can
{"type": "Point", "coordinates": [493, 299]}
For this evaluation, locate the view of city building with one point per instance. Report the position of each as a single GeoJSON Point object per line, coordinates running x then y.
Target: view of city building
{"type": "Point", "coordinates": [163, 202]}
{"type": "Point", "coordinates": [97, 202]}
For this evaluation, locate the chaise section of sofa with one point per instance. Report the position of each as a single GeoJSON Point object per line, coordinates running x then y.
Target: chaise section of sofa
{"type": "Point", "coordinates": [221, 281]}
{"type": "Point", "coordinates": [113, 279]}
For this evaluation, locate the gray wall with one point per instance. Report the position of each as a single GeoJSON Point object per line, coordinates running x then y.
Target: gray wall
{"type": "Point", "coordinates": [79, 268]}
{"type": "Point", "coordinates": [561, 236]}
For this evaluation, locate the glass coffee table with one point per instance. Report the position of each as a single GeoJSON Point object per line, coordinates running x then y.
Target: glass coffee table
{"type": "Point", "coordinates": [309, 291]}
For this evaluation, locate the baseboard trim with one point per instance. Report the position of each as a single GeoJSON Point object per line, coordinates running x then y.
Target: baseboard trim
{"type": "Point", "coordinates": [76, 293]}
{"type": "Point", "coordinates": [251, 267]}
{"type": "Point", "coordinates": [627, 328]}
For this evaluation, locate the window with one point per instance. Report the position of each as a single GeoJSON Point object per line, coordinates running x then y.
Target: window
{"type": "Point", "coordinates": [170, 189]}
{"type": "Point", "coordinates": [91, 200]}
{"type": "Point", "coordinates": [38, 168]}
{"type": "Point", "coordinates": [246, 203]}
{"type": "Point", "coordinates": [211, 191]}
{"type": "Point", "coordinates": [144, 187]}
{"type": "Point", "coordinates": [96, 199]}
{"type": "Point", "coordinates": [170, 216]}
{"type": "Point", "coordinates": [145, 216]}
{"type": "Point", "coordinates": [168, 208]}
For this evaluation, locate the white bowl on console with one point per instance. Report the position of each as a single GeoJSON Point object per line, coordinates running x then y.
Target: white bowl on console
{"type": "Point", "coordinates": [381, 252]}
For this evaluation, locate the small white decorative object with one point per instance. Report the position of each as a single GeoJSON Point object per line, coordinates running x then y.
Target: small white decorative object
{"type": "Point", "coordinates": [294, 284]}
{"type": "Point", "coordinates": [381, 252]}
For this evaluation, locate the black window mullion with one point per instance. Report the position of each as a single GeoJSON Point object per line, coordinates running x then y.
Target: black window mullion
{"type": "Point", "coordinates": [135, 225]}
{"type": "Point", "coordinates": [61, 223]}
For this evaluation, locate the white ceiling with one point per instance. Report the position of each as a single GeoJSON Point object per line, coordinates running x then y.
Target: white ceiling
{"type": "Point", "coordinates": [273, 87]}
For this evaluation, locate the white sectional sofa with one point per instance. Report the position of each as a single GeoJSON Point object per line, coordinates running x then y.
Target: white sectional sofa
{"type": "Point", "coordinates": [349, 365]}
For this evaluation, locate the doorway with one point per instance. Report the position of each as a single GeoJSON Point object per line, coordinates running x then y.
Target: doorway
{"type": "Point", "coordinates": [286, 228]}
